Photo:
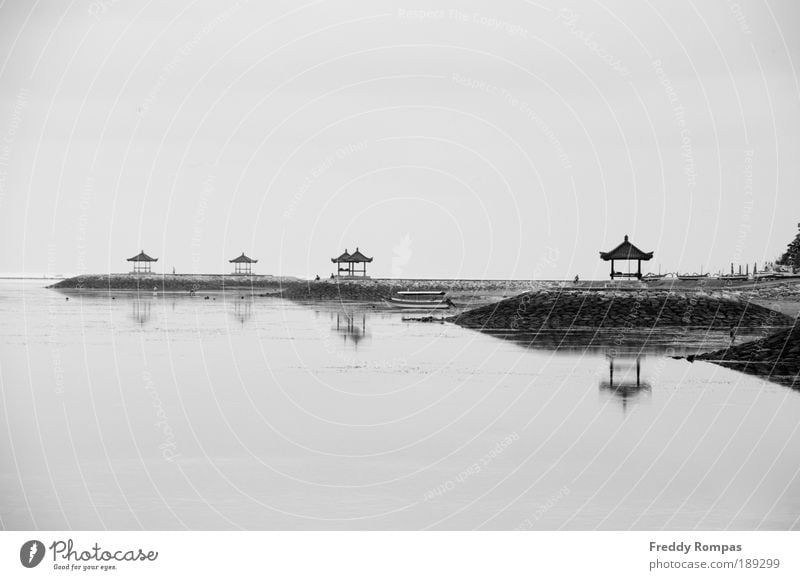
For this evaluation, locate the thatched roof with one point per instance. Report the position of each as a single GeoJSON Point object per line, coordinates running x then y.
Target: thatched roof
{"type": "Point", "coordinates": [142, 257]}
{"type": "Point", "coordinates": [243, 260]}
{"type": "Point", "coordinates": [626, 251]}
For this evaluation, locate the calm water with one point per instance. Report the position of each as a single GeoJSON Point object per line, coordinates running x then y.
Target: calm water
{"type": "Point", "coordinates": [170, 412]}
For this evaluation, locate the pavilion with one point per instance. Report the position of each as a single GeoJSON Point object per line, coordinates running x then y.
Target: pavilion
{"type": "Point", "coordinates": [242, 265]}
{"type": "Point", "coordinates": [141, 263]}
{"type": "Point", "coordinates": [626, 251]}
{"type": "Point", "coordinates": [347, 264]}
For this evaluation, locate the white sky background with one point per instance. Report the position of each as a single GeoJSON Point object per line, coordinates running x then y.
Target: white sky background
{"type": "Point", "coordinates": [511, 140]}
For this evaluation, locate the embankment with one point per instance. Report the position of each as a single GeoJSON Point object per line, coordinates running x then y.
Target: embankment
{"type": "Point", "coordinates": [780, 296]}
{"type": "Point", "coordinates": [563, 309]}
{"type": "Point", "coordinates": [775, 357]}
{"type": "Point", "coordinates": [171, 282]}
{"type": "Point", "coordinates": [465, 292]}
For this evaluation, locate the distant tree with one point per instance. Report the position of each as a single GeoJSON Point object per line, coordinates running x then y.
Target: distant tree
{"type": "Point", "coordinates": [791, 257]}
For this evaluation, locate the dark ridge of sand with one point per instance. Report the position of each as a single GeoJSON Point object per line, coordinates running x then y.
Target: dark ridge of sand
{"type": "Point", "coordinates": [171, 282]}
{"type": "Point", "coordinates": [331, 290]}
{"type": "Point", "coordinates": [563, 309]}
{"type": "Point", "coordinates": [783, 296]}
{"type": "Point", "coordinates": [775, 357]}
{"type": "Point", "coordinates": [465, 292]}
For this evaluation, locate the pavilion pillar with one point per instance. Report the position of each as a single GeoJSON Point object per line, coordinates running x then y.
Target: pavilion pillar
{"type": "Point", "coordinates": [612, 269]}
{"type": "Point", "coordinates": [639, 269]}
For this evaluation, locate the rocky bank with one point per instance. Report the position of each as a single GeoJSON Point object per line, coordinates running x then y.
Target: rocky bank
{"type": "Point", "coordinates": [563, 309]}
{"type": "Point", "coordinates": [775, 356]}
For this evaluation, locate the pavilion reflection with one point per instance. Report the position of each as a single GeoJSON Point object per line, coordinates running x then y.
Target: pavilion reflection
{"type": "Point", "coordinates": [242, 310]}
{"type": "Point", "coordinates": [140, 310]}
{"type": "Point", "coordinates": [616, 341]}
{"type": "Point", "coordinates": [625, 378]}
{"type": "Point", "coordinates": [352, 326]}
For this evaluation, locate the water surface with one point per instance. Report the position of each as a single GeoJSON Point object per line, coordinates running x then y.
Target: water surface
{"type": "Point", "coordinates": [170, 412]}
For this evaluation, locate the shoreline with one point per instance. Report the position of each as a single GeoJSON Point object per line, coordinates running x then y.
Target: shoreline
{"type": "Point", "coordinates": [574, 308]}
{"type": "Point", "coordinates": [782, 296]}
{"type": "Point", "coordinates": [709, 284]}
{"type": "Point", "coordinates": [775, 356]}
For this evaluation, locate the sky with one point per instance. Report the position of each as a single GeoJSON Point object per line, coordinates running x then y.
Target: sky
{"type": "Point", "coordinates": [445, 140]}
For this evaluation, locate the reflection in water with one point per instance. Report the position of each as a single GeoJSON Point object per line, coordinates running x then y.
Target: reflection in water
{"type": "Point", "coordinates": [624, 378]}
{"type": "Point", "coordinates": [620, 341]}
{"type": "Point", "coordinates": [774, 372]}
{"type": "Point", "coordinates": [140, 310]}
{"type": "Point", "coordinates": [347, 437]}
{"type": "Point", "coordinates": [242, 310]}
{"type": "Point", "coordinates": [669, 342]}
{"type": "Point", "coordinates": [352, 326]}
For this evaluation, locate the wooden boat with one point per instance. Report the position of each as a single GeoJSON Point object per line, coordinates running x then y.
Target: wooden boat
{"type": "Point", "coordinates": [420, 300]}
{"type": "Point", "coordinates": [692, 276]}
{"type": "Point", "coordinates": [772, 275]}
{"type": "Point", "coordinates": [651, 276]}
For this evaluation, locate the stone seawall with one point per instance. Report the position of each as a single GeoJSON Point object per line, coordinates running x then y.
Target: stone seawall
{"type": "Point", "coordinates": [375, 290]}
{"type": "Point", "coordinates": [598, 309]}
{"type": "Point", "coordinates": [170, 282]}
{"type": "Point", "coordinates": [464, 293]}
{"type": "Point", "coordinates": [775, 356]}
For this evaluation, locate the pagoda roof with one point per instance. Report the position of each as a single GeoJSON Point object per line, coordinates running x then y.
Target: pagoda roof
{"type": "Point", "coordinates": [359, 257]}
{"type": "Point", "coordinates": [626, 251]}
{"type": "Point", "coordinates": [142, 257]}
{"type": "Point", "coordinates": [345, 257]}
{"type": "Point", "coordinates": [243, 260]}
{"type": "Point", "coordinates": [355, 257]}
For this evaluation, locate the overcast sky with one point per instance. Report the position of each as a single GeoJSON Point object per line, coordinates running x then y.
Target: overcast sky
{"type": "Point", "coordinates": [468, 139]}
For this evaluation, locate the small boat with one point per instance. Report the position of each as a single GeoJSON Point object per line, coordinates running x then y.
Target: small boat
{"type": "Point", "coordinates": [650, 276]}
{"type": "Point", "coordinates": [424, 300]}
{"type": "Point", "coordinates": [692, 276]}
